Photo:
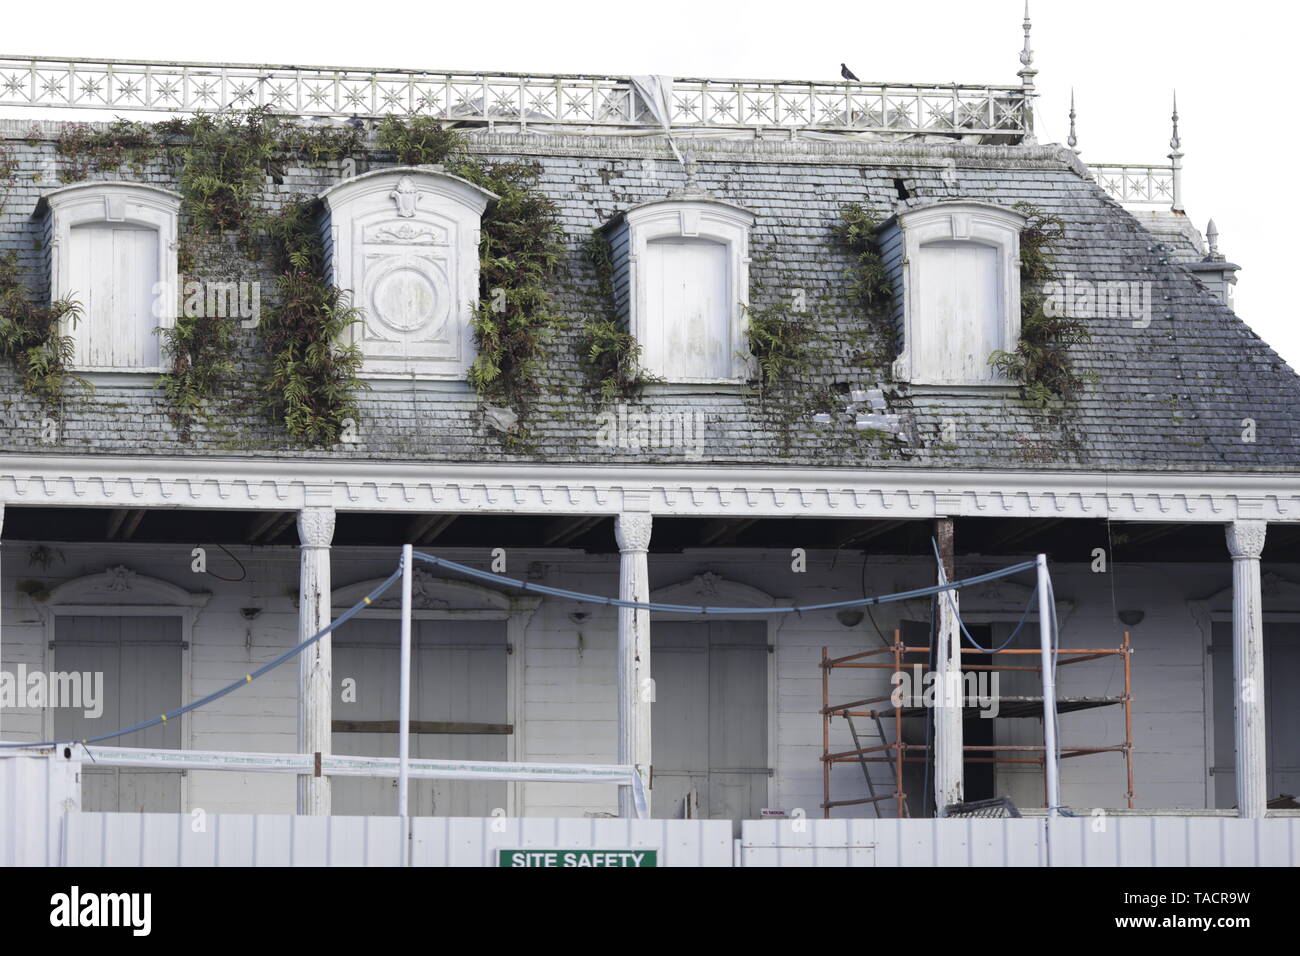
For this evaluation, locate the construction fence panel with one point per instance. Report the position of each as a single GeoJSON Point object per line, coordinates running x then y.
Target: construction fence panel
{"type": "Point", "coordinates": [1078, 841]}
{"type": "Point", "coordinates": [232, 839]}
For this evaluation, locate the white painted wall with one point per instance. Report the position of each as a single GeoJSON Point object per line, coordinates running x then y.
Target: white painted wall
{"type": "Point", "coordinates": [567, 696]}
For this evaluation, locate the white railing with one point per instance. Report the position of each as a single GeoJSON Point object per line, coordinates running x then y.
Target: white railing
{"type": "Point", "coordinates": [1136, 184]}
{"type": "Point", "coordinates": [566, 99]}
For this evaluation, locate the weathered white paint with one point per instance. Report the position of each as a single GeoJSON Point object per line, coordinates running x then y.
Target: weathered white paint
{"type": "Point", "coordinates": [682, 276]}
{"type": "Point", "coordinates": [955, 271]}
{"type": "Point", "coordinates": [315, 665]}
{"type": "Point", "coordinates": [666, 490]}
{"type": "Point", "coordinates": [2, 608]}
{"type": "Point", "coordinates": [948, 740]}
{"type": "Point", "coordinates": [405, 241]}
{"type": "Point", "coordinates": [1246, 543]}
{"type": "Point", "coordinates": [635, 684]}
{"type": "Point", "coordinates": [113, 249]}
{"type": "Point", "coordinates": [688, 309]}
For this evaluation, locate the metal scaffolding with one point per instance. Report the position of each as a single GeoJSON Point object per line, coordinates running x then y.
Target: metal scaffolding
{"type": "Point", "coordinates": [898, 753]}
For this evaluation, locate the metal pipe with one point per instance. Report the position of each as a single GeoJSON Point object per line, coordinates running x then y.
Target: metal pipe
{"type": "Point", "coordinates": [1049, 688]}
{"type": "Point", "coordinates": [404, 697]}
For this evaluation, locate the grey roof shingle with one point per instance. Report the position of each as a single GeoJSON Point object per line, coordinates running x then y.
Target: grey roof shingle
{"type": "Point", "coordinates": [1172, 396]}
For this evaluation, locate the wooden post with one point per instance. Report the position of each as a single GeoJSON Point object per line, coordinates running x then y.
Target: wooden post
{"type": "Point", "coordinates": [635, 688]}
{"type": "Point", "coordinates": [948, 688]}
{"type": "Point", "coordinates": [1246, 544]}
{"type": "Point", "coordinates": [315, 664]}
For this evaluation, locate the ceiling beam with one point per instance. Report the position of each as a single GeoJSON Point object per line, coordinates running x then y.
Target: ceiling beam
{"type": "Point", "coordinates": [565, 530]}
{"type": "Point", "coordinates": [115, 519]}
{"type": "Point", "coordinates": [1150, 534]}
{"type": "Point", "coordinates": [132, 522]}
{"type": "Point", "coordinates": [856, 532]}
{"type": "Point", "coordinates": [262, 524]}
{"type": "Point", "coordinates": [427, 528]}
{"type": "Point", "coordinates": [1025, 529]}
{"type": "Point", "coordinates": [724, 531]}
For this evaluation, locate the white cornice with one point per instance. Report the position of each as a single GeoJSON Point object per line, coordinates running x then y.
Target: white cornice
{"type": "Point", "coordinates": [660, 489]}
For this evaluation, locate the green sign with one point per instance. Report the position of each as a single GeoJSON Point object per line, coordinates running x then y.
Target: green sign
{"type": "Point", "coordinates": [579, 858]}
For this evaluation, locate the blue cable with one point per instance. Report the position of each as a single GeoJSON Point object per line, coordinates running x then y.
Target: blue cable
{"type": "Point", "coordinates": [540, 589]}
{"type": "Point", "coordinates": [962, 624]}
{"type": "Point", "coordinates": [695, 609]}
{"type": "Point", "coordinates": [247, 679]}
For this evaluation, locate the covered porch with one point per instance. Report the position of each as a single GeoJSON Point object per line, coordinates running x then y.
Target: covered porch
{"type": "Point", "coordinates": [722, 717]}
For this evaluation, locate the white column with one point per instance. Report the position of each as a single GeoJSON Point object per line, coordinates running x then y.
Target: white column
{"type": "Point", "coordinates": [2, 656]}
{"type": "Point", "coordinates": [1246, 543]}
{"type": "Point", "coordinates": [315, 668]}
{"type": "Point", "coordinates": [635, 689]}
{"type": "Point", "coordinates": [948, 686]}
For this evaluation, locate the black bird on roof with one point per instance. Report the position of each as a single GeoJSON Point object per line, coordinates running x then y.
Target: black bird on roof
{"type": "Point", "coordinates": [848, 74]}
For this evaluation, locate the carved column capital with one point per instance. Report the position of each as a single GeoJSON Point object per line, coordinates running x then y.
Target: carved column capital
{"type": "Point", "coordinates": [316, 527]}
{"type": "Point", "coordinates": [632, 531]}
{"type": "Point", "coordinates": [1246, 539]}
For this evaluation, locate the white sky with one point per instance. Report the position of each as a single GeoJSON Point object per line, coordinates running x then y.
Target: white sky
{"type": "Point", "coordinates": [1232, 64]}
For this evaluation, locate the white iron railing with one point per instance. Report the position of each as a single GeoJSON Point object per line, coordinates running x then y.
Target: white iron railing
{"type": "Point", "coordinates": [1136, 184]}
{"type": "Point", "coordinates": [566, 99]}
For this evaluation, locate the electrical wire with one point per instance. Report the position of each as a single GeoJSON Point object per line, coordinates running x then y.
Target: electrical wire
{"type": "Point", "coordinates": [243, 571]}
{"type": "Point", "coordinates": [343, 618]}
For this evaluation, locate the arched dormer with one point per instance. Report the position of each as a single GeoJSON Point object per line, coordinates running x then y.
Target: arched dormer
{"type": "Point", "coordinates": [955, 272]}
{"type": "Point", "coordinates": [403, 242]}
{"type": "Point", "coordinates": [112, 249]}
{"type": "Point", "coordinates": [681, 283]}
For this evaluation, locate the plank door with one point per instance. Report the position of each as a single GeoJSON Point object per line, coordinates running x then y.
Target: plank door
{"type": "Point", "coordinates": [1281, 712]}
{"type": "Point", "coordinates": [458, 675]}
{"type": "Point", "coordinates": [709, 717]}
{"type": "Point", "coordinates": [140, 658]}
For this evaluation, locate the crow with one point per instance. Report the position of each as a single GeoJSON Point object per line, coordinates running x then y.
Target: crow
{"type": "Point", "coordinates": [847, 73]}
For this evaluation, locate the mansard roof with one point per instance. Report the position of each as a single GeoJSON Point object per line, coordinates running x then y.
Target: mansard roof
{"type": "Point", "coordinates": [1171, 396]}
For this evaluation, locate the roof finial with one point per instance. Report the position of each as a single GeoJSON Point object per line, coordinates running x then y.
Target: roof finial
{"type": "Point", "coordinates": [1174, 141]}
{"type": "Point", "coordinates": [1176, 161]}
{"type": "Point", "coordinates": [1212, 237]}
{"type": "Point", "coordinates": [1073, 140]}
{"type": "Point", "coordinates": [1027, 71]}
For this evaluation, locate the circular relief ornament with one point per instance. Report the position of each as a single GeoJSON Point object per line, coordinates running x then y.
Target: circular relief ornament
{"type": "Point", "coordinates": [406, 299]}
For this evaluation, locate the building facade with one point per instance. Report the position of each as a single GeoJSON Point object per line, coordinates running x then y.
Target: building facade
{"type": "Point", "coordinates": [870, 431]}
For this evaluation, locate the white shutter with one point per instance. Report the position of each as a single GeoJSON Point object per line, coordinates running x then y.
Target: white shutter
{"type": "Point", "coordinates": [113, 270]}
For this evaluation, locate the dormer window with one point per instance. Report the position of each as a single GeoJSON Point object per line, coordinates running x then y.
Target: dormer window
{"type": "Point", "coordinates": [112, 249]}
{"type": "Point", "coordinates": [682, 282]}
{"type": "Point", "coordinates": [955, 271]}
{"type": "Point", "coordinates": [403, 243]}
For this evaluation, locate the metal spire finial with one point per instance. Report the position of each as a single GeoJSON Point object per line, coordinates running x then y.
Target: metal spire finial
{"type": "Point", "coordinates": [1174, 141]}
{"type": "Point", "coordinates": [1212, 238]}
{"type": "Point", "coordinates": [1027, 71]}
{"type": "Point", "coordinates": [1176, 161]}
{"type": "Point", "coordinates": [1073, 140]}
